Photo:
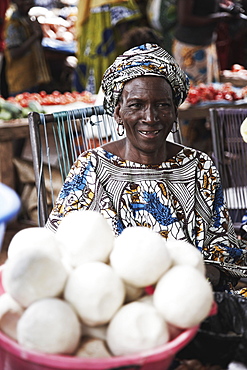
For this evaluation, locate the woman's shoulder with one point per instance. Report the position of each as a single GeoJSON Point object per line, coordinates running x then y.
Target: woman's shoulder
{"type": "Point", "coordinates": [94, 154]}
{"type": "Point", "coordinates": [202, 159]}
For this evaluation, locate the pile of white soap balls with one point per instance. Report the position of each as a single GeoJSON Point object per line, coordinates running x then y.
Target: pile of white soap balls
{"type": "Point", "coordinates": [81, 291]}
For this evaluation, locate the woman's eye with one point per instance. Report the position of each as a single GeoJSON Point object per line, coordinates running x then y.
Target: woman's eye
{"type": "Point", "coordinates": [135, 105]}
{"type": "Point", "coordinates": [163, 105]}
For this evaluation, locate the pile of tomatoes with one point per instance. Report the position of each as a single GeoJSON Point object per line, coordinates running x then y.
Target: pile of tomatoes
{"type": "Point", "coordinates": [202, 92]}
{"type": "Point", "coordinates": [55, 98]}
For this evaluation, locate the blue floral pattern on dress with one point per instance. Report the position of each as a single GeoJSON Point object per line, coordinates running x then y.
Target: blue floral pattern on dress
{"type": "Point", "coordinates": [218, 203]}
{"type": "Point", "coordinates": [234, 253]}
{"type": "Point", "coordinates": [160, 212]}
{"type": "Point", "coordinates": [78, 183]}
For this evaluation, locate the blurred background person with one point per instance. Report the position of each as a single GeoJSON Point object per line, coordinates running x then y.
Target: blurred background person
{"type": "Point", "coordinates": [162, 16]}
{"type": "Point", "coordinates": [231, 37]}
{"type": "Point", "coordinates": [194, 48]}
{"type": "Point", "coordinates": [26, 68]}
{"type": "Point", "coordinates": [194, 45]}
{"type": "Point", "coordinates": [3, 8]}
{"type": "Point", "coordinates": [100, 26]}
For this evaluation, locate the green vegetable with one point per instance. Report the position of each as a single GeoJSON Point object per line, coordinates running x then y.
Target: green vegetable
{"type": "Point", "coordinates": [13, 108]}
{"type": "Point", "coordinates": [25, 112]}
{"type": "Point", "coordinates": [35, 106]}
{"type": "Point", "coordinates": [5, 115]}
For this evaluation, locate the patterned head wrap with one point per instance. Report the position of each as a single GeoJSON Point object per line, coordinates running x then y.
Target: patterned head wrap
{"type": "Point", "coordinates": [143, 60]}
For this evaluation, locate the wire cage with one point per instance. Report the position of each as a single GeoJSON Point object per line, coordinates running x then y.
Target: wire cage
{"type": "Point", "coordinates": [56, 141]}
{"type": "Point", "coordinates": [230, 156]}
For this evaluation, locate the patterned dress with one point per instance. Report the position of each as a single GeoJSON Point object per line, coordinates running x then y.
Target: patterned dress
{"type": "Point", "coordinates": [182, 197]}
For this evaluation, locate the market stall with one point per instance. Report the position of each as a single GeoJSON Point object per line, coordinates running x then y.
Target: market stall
{"type": "Point", "coordinates": [14, 130]}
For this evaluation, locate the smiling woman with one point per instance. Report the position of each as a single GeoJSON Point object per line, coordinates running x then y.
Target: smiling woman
{"type": "Point", "coordinates": [145, 180]}
{"type": "Point", "coordinates": [146, 107]}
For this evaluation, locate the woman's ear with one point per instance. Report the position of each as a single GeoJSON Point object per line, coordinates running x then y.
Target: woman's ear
{"type": "Point", "coordinates": [116, 112]}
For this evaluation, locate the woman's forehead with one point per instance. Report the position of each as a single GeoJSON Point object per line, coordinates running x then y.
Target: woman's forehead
{"type": "Point", "coordinates": [147, 83]}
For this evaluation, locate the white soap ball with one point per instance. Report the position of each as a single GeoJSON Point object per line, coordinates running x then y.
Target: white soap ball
{"type": "Point", "coordinates": [39, 238]}
{"type": "Point", "coordinates": [183, 296]}
{"type": "Point", "coordinates": [136, 327]}
{"type": "Point", "coordinates": [33, 275]}
{"type": "Point", "coordinates": [184, 253]}
{"type": "Point", "coordinates": [85, 236]}
{"type": "Point", "coordinates": [140, 256]}
{"type": "Point", "coordinates": [49, 325]}
{"type": "Point", "coordinates": [95, 291]}
{"type": "Point", "coordinates": [243, 129]}
{"type": "Point", "coordinates": [10, 313]}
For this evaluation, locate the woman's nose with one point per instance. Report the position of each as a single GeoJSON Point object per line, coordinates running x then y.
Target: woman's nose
{"type": "Point", "coordinates": [150, 115]}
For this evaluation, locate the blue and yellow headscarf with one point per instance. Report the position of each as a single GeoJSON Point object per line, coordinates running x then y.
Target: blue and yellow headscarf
{"type": "Point", "coordinates": [143, 60]}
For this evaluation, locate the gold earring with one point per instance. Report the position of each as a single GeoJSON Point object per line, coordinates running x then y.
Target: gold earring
{"type": "Point", "coordinates": [120, 128]}
{"type": "Point", "coordinates": [175, 128]}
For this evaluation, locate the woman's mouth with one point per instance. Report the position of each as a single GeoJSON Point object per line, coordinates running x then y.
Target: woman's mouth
{"type": "Point", "coordinates": [149, 133]}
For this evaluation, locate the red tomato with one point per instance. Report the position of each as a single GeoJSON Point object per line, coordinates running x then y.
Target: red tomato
{"type": "Point", "coordinates": [69, 97]}
{"type": "Point", "coordinates": [47, 100]}
{"type": "Point", "coordinates": [228, 96]}
{"type": "Point", "coordinates": [36, 97]}
{"type": "Point", "coordinates": [11, 99]}
{"type": "Point", "coordinates": [43, 93]}
{"type": "Point", "coordinates": [26, 95]}
{"type": "Point", "coordinates": [75, 94]}
{"type": "Point", "coordinates": [24, 103]}
{"type": "Point", "coordinates": [56, 93]}
{"type": "Point", "coordinates": [63, 100]}
{"type": "Point", "coordinates": [219, 96]}
{"type": "Point", "coordinates": [193, 96]}
{"type": "Point", "coordinates": [19, 97]}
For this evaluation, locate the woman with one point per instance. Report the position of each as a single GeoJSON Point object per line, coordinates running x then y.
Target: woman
{"type": "Point", "coordinates": [99, 28]}
{"type": "Point", "coordinates": [3, 8]}
{"type": "Point", "coordinates": [195, 36]}
{"type": "Point", "coordinates": [143, 179]}
{"type": "Point", "coordinates": [26, 68]}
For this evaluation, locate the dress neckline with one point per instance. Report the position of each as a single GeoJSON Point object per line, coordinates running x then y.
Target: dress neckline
{"type": "Point", "coordinates": [185, 153]}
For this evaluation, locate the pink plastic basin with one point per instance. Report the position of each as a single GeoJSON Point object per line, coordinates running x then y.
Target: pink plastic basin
{"type": "Point", "coordinates": [15, 357]}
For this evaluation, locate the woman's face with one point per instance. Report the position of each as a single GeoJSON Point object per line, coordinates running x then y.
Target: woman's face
{"type": "Point", "coordinates": [147, 110]}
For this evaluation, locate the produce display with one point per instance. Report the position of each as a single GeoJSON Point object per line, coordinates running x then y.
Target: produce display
{"type": "Point", "coordinates": [203, 93]}
{"type": "Point", "coordinates": [99, 306]}
{"type": "Point", "coordinates": [20, 105]}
